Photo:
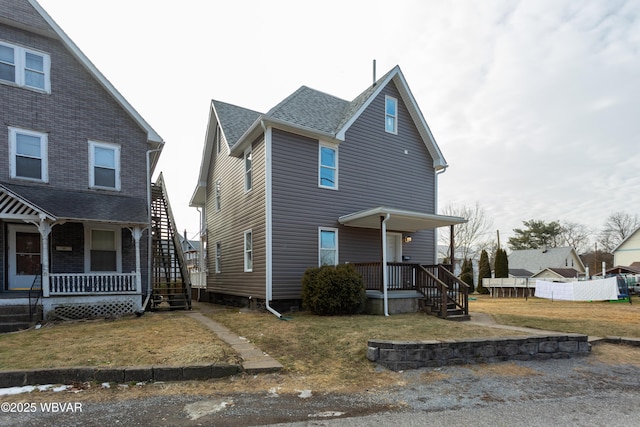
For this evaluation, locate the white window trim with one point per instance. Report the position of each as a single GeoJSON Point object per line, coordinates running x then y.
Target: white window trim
{"type": "Point", "coordinates": [218, 256]}
{"type": "Point", "coordinates": [248, 183]}
{"type": "Point", "coordinates": [247, 269]}
{"type": "Point", "coordinates": [87, 246]}
{"type": "Point", "coordinates": [334, 147]}
{"type": "Point", "coordinates": [44, 150]}
{"type": "Point", "coordinates": [395, 116]}
{"type": "Point", "coordinates": [20, 64]}
{"type": "Point", "coordinates": [320, 230]}
{"type": "Point", "coordinates": [116, 148]}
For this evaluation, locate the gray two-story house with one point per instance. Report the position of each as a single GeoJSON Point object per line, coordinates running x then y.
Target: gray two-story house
{"type": "Point", "coordinates": [75, 158]}
{"type": "Point", "coordinates": [319, 180]}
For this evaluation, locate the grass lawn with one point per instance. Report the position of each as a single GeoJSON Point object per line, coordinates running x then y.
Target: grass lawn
{"type": "Point", "coordinates": [323, 353]}
{"type": "Point", "coordinates": [598, 319]}
{"type": "Point", "coordinates": [169, 338]}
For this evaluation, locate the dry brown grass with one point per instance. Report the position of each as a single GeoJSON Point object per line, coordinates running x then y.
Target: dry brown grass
{"type": "Point", "coordinates": [153, 339]}
{"type": "Point", "coordinates": [590, 318]}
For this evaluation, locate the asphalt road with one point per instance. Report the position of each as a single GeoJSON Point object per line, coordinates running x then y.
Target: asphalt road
{"type": "Point", "coordinates": [575, 392]}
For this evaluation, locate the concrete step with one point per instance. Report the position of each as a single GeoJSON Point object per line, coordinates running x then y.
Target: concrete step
{"type": "Point", "coordinates": [17, 317]}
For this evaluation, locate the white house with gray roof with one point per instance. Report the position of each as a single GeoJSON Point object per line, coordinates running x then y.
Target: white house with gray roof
{"type": "Point", "coordinates": [537, 260]}
{"type": "Point", "coordinates": [318, 180]}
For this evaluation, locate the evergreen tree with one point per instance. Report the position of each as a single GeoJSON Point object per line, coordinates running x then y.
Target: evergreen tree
{"type": "Point", "coordinates": [502, 264]}
{"type": "Point", "coordinates": [466, 275]}
{"type": "Point", "coordinates": [484, 271]}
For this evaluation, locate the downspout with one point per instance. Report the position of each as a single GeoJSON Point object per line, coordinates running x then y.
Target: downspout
{"type": "Point", "coordinates": [268, 223]}
{"type": "Point", "coordinates": [149, 272]}
{"type": "Point", "coordinates": [385, 270]}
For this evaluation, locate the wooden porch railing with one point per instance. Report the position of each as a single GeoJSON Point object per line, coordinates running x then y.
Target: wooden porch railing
{"type": "Point", "coordinates": [88, 284]}
{"type": "Point", "coordinates": [441, 288]}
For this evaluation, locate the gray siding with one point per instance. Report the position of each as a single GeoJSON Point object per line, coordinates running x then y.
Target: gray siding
{"type": "Point", "coordinates": [77, 110]}
{"type": "Point", "coordinates": [373, 171]}
{"type": "Point", "coordinates": [239, 211]}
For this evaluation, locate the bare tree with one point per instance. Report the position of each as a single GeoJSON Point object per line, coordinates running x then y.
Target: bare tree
{"type": "Point", "coordinates": [467, 237]}
{"type": "Point", "coordinates": [575, 235]}
{"type": "Point", "coordinates": [616, 228]}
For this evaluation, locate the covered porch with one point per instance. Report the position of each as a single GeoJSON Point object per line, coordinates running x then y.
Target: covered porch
{"type": "Point", "coordinates": [71, 254]}
{"type": "Point", "coordinates": [401, 285]}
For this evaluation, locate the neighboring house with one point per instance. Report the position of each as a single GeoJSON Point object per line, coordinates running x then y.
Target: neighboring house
{"type": "Point", "coordinates": [318, 180]}
{"type": "Point", "coordinates": [560, 274]}
{"type": "Point", "coordinates": [191, 251]}
{"type": "Point", "coordinates": [628, 251]}
{"type": "Point", "coordinates": [73, 180]}
{"type": "Point", "coordinates": [536, 260]}
{"type": "Point", "coordinates": [519, 272]}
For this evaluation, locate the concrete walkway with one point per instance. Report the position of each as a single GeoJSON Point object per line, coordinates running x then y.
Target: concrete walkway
{"type": "Point", "coordinates": [254, 360]}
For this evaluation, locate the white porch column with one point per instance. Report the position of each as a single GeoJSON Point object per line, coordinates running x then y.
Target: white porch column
{"type": "Point", "coordinates": [136, 232]}
{"type": "Point", "coordinates": [385, 270]}
{"type": "Point", "coordinates": [44, 228]}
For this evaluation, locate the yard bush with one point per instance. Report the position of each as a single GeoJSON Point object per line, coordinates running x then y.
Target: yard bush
{"type": "Point", "coordinates": [330, 290]}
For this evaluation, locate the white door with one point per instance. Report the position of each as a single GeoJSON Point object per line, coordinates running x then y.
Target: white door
{"type": "Point", "coordinates": [24, 256]}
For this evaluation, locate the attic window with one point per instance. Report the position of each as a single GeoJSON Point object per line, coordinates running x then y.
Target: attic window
{"type": "Point", "coordinates": [391, 115]}
{"type": "Point", "coordinates": [24, 67]}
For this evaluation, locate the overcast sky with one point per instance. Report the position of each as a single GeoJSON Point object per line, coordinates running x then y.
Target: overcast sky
{"type": "Point", "coordinates": [535, 104]}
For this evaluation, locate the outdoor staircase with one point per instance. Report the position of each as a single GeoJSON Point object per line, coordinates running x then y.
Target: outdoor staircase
{"type": "Point", "coordinates": [18, 317]}
{"type": "Point", "coordinates": [454, 312]}
{"type": "Point", "coordinates": [171, 286]}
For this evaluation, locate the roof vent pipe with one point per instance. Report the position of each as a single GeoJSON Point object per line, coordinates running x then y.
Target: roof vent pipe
{"type": "Point", "coordinates": [374, 72]}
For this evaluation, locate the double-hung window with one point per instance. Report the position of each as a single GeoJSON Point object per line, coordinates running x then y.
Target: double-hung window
{"type": "Point", "coordinates": [28, 154]}
{"type": "Point", "coordinates": [327, 246]}
{"type": "Point", "coordinates": [328, 167]}
{"type": "Point", "coordinates": [25, 67]}
{"type": "Point", "coordinates": [248, 251]}
{"type": "Point", "coordinates": [217, 195]}
{"type": "Point", "coordinates": [104, 165]}
{"type": "Point", "coordinates": [247, 170]}
{"type": "Point", "coordinates": [104, 254]}
{"type": "Point", "coordinates": [391, 115]}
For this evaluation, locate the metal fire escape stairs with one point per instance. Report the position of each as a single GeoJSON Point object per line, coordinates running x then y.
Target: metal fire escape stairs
{"type": "Point", "coordinates": [171, 285]}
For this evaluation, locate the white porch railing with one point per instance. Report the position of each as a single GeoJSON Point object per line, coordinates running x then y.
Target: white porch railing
{"type": "Point", "coordinates": [92, 283]}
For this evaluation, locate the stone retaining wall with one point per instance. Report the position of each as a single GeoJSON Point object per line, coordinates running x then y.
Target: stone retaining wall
{"type": "Point", "coordinates": [400, 355]}
{"type": "Point", "coordinates": [115, 375]}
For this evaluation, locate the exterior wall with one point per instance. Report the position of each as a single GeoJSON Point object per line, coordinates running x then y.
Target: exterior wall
{"type": "Point", "coordinates": [628, 252]}
{"type": "Point", "coordinates": [3, 246]}
{"type": "Point", "coordinates": [240, 211]}
{"type": "Point", "coordinates": [373, 170]}
{"type": "Point", "coordinates": [77, 110]}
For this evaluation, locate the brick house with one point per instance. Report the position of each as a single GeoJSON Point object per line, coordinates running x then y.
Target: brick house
{"type": "Point", "coordinates": [74, 177]}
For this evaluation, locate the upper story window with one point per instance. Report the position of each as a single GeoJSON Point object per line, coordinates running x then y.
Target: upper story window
{"type": "Point", "coordinates": [328, 168]}
{"type": "Point", "coordinates": [104, 165]}
{"type": "Point", "coordinates": [218, 139]}
{"type": "Point", "coordinates": [328, 246]}
{"type": "Point", "coordinates": [25, 67]}
{"type": "Point", "coordinates": [28, 154]}
{"type": "Point", "coordinates": [390, 115]}
{"type": "Point", "coordinates": [247, 169]}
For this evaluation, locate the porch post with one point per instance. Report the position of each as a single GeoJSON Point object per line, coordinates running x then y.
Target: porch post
{"type": "Point", "coordinates": [45, 229]}
{"type": "Point", "coordinates": [385, 278]}
{"type": "Point", "coordinates": [136, 232]}
{"type": "Point", "coordinates": [452, 249]}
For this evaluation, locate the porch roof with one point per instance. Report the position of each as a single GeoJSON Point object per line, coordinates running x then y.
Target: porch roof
{"type": "Point", "coordinates": [399, 219]}
{"type": "Point", "coordinates": [26, 202]}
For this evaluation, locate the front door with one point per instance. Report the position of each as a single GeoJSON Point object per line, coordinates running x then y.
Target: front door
{"type": "Point", "coordinates": [24, 256]}
{"type": "Point", "coordinates": [394, 254]}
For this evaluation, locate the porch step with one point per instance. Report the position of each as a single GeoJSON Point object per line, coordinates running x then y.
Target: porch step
{"type": "Point", "coordinates": [16, 318]}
